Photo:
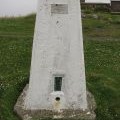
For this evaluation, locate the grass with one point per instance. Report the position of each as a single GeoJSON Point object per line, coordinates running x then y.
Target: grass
{"type": "Point", "coordinates": [103, 74]}
{"type": "Point", "coordinates": [102, 57]}
{"type": "Point", "coordinates": [106, 26]}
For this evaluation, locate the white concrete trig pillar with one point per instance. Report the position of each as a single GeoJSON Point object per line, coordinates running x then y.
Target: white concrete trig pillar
{"type": "Point", "coordinates": [57, 77]}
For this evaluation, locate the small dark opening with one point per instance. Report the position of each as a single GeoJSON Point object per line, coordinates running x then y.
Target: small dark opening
{"type": "Point", "coordinates": [57, 99]}
{"type": "Point", "coordinates": [58, 84]}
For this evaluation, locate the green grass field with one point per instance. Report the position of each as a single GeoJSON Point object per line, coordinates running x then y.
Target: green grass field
{"type": "Point", "coordinates": [102, 58]}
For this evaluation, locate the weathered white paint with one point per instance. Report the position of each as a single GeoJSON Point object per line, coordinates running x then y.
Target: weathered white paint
{"type": "Point", "coordinates": [98, 1]}
{"type": "Point", "coordinates": [57, 51]}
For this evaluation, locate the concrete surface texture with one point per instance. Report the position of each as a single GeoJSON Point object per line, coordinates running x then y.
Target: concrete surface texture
{"type": "Point", "coordinates": [57, 78]}
{"type": "Point", "coordinates": [67, 114]}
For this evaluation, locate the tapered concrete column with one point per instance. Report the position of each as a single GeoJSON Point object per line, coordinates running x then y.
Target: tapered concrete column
{"type": "Point", "coordinates": [57, 77]}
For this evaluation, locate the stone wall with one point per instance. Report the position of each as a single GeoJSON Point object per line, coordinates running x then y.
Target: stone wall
{"type": "Point", "coordinates": [96, 7]}
{"type": "Point", "coordinates": [115, 6]}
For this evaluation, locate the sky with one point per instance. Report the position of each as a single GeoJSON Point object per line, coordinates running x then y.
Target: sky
{"type": "Point", "coordinates": [17, 7]}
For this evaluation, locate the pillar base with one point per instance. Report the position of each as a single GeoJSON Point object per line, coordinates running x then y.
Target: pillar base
{"type": "Point", "coordinates": [24, 114]}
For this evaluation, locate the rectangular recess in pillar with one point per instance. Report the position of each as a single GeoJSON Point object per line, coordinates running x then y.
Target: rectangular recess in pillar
{"type": "Point", "coordinates": [59, 8]}
{"type": "Point", "coordinates": [57, 83]}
